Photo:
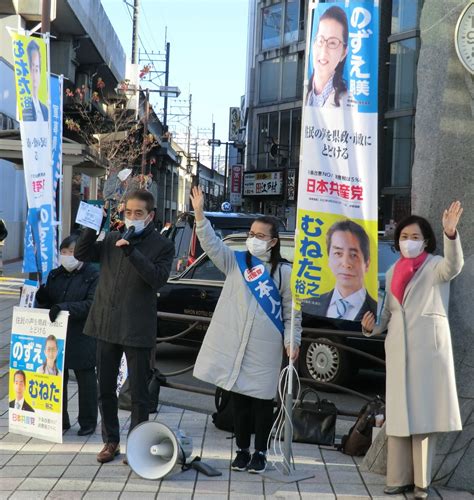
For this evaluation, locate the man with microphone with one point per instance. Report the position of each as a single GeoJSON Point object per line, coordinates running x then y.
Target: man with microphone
{"type": "Point", "coordinates": [133, 267]}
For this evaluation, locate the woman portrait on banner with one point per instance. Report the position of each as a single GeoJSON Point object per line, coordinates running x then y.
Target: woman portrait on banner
{"type": "Point", "coordinates": [243, 347]}
{"type": "Point", "coordinates": [327, 87]}
{"type": "Point", "coordinates": [421, 396]}
{"type": "Point", "coordinates": [51, 350]}
{"type": "Point", "coordinates": [71, 287]}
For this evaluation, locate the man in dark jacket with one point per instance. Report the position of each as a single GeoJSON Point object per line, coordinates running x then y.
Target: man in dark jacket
{"type": "Point", "coordinates": [123, 314]}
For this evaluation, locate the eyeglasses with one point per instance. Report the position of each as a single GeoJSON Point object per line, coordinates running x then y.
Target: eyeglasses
{"type": "Point", "coordinates": [259, 236]}
{"type": "Point", "coordinates": [332, 43]}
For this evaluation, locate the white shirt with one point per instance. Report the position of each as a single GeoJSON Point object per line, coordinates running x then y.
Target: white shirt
{"type": "Point", "coordinates": [19, 404]}
{"type": "Point", "coordinates": [39, 112]}
{"type": "Point", "coordinates": [355, 302]}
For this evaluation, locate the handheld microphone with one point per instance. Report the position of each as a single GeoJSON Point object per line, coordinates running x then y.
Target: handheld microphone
{"type": "Point", "coordinates": [128, 233]}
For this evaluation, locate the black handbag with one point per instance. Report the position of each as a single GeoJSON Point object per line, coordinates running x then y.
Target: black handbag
{"type": "Point", "coordinates": [314, 422]}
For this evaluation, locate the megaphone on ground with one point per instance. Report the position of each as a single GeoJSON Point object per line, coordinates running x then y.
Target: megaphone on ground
{"type": "Point", "coordinates": [154, 450]}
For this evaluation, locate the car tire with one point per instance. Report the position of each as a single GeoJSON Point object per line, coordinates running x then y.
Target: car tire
{"type": "Point", "coordinates": [325, 363]}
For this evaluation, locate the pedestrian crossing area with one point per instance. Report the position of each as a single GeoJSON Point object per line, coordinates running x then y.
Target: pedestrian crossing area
{"type": "Point", "coordinates": [10, 286]}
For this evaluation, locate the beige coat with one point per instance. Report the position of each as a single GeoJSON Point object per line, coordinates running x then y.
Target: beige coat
{"type": "Point", "coordinates": [421, 394]}
{"type": "Point", "coordinates": [242, 349]}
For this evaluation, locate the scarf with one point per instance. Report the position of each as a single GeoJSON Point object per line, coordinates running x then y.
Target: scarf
{"type": "Point", "coordinates": [404, 271]}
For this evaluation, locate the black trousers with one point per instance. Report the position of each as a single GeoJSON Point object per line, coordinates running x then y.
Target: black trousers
{"type": "Point", "coordinates": [87, 390]}
{"type": "Point", "coordinates": [108, 363]}
{"type": "Point", "coordinates": [248, 411]}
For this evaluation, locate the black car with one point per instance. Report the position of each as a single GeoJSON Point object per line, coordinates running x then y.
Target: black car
{"type": "Point", "coordinates": [186, 243]}
{"type": "Point", "coordinates": [196, 291]}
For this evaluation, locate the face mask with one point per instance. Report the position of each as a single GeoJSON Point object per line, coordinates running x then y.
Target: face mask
{"type": "Point", "coordinates": [139, 225]}
{"type": "Point", "coordinates": [69, 262]}
{"type": "Point", "coordinates": [411, 249]}
{"type": "Point", "coordinates": [258, 248]}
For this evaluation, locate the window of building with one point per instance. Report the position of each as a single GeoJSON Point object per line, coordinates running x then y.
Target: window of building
{"type": "Point", "coordinates": [405, 15]}
{"type": "Point", "coordinates": [400, 141]}
{"type": "Point", "coordinates": [289, 79]}
{"type": "Point", "coordinates": [272, 26]}
{"type": "Point", "coordinates": [281, 24]}
{"type": "Point", "coordinates": [282, 128]}
{"type": "Point", "coordinates": [291, 21]}
{"type": "Point", "coordinates": [270, 80]}
{"type": "Point", "coordinates": [281, 78]}
{"type": "Point", "coordinates": [402, 76]}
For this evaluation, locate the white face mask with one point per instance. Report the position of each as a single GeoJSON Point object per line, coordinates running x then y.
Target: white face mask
{"type": "Point", "coordinates": [411, 248]}
{"type": "Point", "coordinates": [69, 262]}
{"type": "Point", "coordinates": [258, 248]}
{"type": "Point", "coordinates": [139, 225]}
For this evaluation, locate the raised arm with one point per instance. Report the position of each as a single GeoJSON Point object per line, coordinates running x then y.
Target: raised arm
{"type": "Point", "coordinates": [220, 254]}
{"type": "Point", "coordinates": [453, 261]}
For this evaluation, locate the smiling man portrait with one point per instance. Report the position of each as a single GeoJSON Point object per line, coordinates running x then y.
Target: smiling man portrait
{"type": "Point", "coordinates": [348, 249]}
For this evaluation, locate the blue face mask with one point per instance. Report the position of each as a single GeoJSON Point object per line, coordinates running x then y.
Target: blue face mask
{"type": "Point", "coordinates": [139, 225]}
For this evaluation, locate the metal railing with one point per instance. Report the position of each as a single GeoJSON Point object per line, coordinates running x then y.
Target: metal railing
{"type": "Point", "coordinates": [309, 335]}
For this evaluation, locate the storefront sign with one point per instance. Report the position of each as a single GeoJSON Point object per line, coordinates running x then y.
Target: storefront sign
{"type": "Point", "coordinates": [263, 183]}
{"type": "Point", "coordinates": [234, 124]}
{"type": "Point", "coordinates": [36, 374]}
{"type": "Point", "coordinates": [291, 184]}
{"type": "Point", "coordinates": [236, 172]}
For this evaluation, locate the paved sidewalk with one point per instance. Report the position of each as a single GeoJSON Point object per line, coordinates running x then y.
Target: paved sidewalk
{"type": "Point", "coordinates": [35, 469]}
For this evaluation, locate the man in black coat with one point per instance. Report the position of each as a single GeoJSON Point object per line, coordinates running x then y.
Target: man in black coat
{"type": "Point", "coordinates": [123, 315]}
{"type": "Point", "coordinates": [348, 250]}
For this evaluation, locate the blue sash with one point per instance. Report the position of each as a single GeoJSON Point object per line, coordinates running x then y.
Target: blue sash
{"type": "Point", "coordinates": [263, 288]}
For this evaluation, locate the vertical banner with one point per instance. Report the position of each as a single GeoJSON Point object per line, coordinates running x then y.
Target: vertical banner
{"type": "Point", "coordinates": [36, 374]}
{"type": "Point", "coordinates": [335, 271]}
{"type": "Point", "coordinates": [236, 172]}
{"type": "Point", "coordinates": [29, 258]}
{"type": "Point", "coordinates": [31, 63]}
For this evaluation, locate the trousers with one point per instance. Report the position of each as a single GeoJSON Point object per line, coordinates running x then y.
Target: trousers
{"type": "Point", "coordinates": [247, 411]}
{"type": "Point", "coordinates": [87, 392]}
{"type": "Point", "coordinates": [409, 460]}
{"type": "Point", "coordinates": [108, 363]}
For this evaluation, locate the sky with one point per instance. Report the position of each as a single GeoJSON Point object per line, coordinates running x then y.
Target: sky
{"type": "Point", "coordinates": [208, 43]}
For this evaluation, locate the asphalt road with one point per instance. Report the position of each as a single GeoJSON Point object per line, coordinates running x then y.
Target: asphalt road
{"type": "Point", "coordinates": [172, 358]}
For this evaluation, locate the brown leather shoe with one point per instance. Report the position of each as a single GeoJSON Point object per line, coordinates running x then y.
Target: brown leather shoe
{"type": "Point", "coordinates": [108, 452]}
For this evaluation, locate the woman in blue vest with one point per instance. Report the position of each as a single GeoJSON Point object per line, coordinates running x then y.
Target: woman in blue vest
{"type": "Point", "coordinates": [243, 347]}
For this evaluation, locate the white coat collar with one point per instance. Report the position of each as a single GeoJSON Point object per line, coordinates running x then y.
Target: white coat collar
{"type": "Point", "coordinates": [415, 278]}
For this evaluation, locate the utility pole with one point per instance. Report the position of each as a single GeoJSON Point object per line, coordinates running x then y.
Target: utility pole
{"type": "Point", "coordinates": [145, 130]}
{"type": "Point", "coordinates": [46, 16]}
{"type": "Point", "coordinates": [167, 74]}
{"type": "Point", "coordinates": [136, 7]}
{"type": "Point", "coordinates": [189, 130]}
{"type": "Point", "coordinates": [212, 144]}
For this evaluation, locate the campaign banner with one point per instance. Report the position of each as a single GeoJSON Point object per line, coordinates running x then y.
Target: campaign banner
{"type": "Point", "coordinates": [31, 64]}
{"type": "Point", "coordinates": [37, 350]}
{"type": "Point", "coordinates": [29, 257]}
{"type": "Point", "coordinates": [335, 271]}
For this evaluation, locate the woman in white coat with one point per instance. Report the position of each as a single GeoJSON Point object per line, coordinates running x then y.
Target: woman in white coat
{"type": "Point", "coordinates": [421, 396]}
{"type": "Point", "coordinates": [242, 349]}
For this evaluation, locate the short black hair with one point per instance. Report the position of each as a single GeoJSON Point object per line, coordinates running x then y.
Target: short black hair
{"type": "Point", "coordinates": [142, 195]}
{"type": "Point", "coordinates": [67, 242]}
{"type": "Point", "coordinates": [22, 373]}
{"type": "Point", "coordinates": [426, 231]}
{"type": "Point", "coordinates": [33, 47]}
{"type": "Point", "coordinates": [354, 228]}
